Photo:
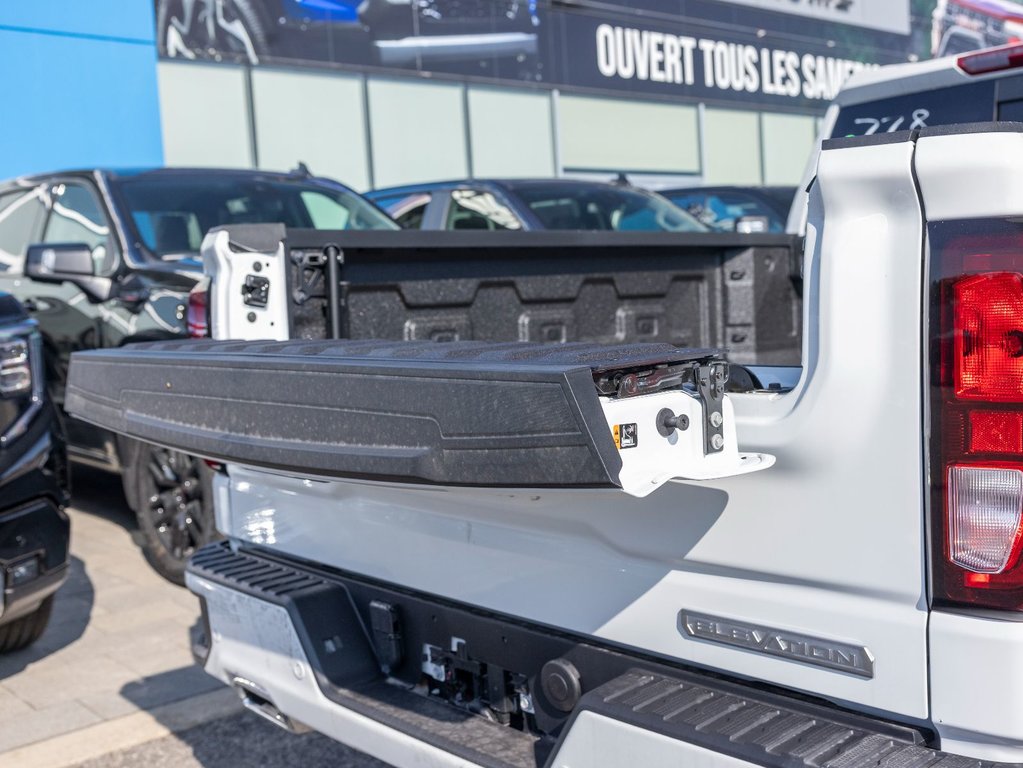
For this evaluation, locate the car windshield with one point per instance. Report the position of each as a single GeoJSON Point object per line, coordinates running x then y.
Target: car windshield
{"type": "Point", "coordinates": [173, 214]}
{"type": "Point", "coordinates": [578, 206]}
{"type": "Point", "coordinates": [721, 210]}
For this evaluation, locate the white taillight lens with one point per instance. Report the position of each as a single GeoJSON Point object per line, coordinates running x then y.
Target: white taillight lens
{"type": "Point", "coordinates": [984, 506]}
{"type": "Point", "coordinates": [15, 369]}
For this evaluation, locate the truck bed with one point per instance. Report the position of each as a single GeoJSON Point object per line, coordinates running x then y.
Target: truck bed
{"type": "Point", "coordinates": [736, 292]}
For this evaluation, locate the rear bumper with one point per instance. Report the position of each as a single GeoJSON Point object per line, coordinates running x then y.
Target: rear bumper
{"type": "Point", "coordinates": [301, 645]}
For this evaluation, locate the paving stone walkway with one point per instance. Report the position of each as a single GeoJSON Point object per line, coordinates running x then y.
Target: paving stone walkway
{"type": "Point", "coordinates": [118, 642]}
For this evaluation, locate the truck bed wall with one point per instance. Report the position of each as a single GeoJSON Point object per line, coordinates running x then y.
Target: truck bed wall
{"type": "Point", "coordinates": [736, 292]}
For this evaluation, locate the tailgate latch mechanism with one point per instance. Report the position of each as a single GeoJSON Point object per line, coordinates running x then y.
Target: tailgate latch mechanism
{"type": "Point", "coordinates": [707, 378]}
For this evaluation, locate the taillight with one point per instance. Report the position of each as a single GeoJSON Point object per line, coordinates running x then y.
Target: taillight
{"type": "Point", "coordinates": [992, 59]}
{"type": "Point", "coordinates": [988, 337]}
{"type": "Point", "coordinates": [983, 510]}
{"type": "Point", "coordinates": [198, 317]}
{"type": "Point", "coordinates": [977, 414]}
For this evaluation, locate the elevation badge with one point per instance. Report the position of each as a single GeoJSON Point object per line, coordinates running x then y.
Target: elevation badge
{"type": "Point", "coordinates": [830, 654]}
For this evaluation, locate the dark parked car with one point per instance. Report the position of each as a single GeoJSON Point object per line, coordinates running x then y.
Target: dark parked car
{"type": "Point", "coordinates": [532, 204]}
{"type": "Point", "coordinates": [104, 258]}
{"type": "Point", "coordinates": [736, 209]}
{"type": "Point", "coordinates": [33, 484]}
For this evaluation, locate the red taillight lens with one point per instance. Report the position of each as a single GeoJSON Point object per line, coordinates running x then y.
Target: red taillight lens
{"type": "Point", "coordinates": [992, 60]}
{"type": "Point", "coordinates": [989, 337]}
{"type": "Point", "coordinates": [198, 313]}
{"type": "Point", "coordinates": [977, 414]}
{"type": "Point", "coordinates": [996, 432]}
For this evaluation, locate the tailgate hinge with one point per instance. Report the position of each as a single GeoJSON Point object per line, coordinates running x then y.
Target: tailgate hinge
{"type": "Point", "coordinates": [710, 384]}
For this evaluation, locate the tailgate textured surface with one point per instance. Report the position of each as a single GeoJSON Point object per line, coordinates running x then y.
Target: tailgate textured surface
{"type": "Point", "coordinates": [453, 414]}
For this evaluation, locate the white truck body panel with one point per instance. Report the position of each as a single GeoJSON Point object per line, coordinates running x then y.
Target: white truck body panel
{"type": "Point", "coordinates": [830, 543]}
{"type": "Point", "coordinates": [795, 548]}
{"type": "Point", "coordinates": [976, 669]}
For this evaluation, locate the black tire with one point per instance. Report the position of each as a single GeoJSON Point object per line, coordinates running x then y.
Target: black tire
{"type": "Point", "coordinates": [178, 36]}
{"type": "Point", "coordinates": [24, 631]}
{"type": "Point", "coordinates": [174, 507]}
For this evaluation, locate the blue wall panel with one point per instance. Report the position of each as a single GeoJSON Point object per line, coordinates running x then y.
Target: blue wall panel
{"type": "Point", "coordinates": [78, 85]}
{"type": "Point", "coordinates": [127, 19]}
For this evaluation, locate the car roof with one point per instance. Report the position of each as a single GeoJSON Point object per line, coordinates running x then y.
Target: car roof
{"type": "Point", "coordinates": [171, 173]}
{"type": "Point", "coordinates": [426, 186]}
{"type": "Point", "coordinates": [913, 77]}
{"type": "Point", "coordinates": [566, 182]}
{"type": "Point", "coordinates": [504, 184]}
{"type": "Point", "coordinates": [758, 189]}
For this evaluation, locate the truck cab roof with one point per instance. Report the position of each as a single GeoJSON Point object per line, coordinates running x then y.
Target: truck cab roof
{"type": "Point", "coordinates": [975, 87]}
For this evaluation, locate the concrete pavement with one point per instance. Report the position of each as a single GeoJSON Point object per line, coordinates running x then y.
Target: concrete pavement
{"type": "Point", "coordinates": [113, 671]}
{"type": "Point", "coordinates": [233, 742]}
{"type": "Point", "coordinates": [118, 640]}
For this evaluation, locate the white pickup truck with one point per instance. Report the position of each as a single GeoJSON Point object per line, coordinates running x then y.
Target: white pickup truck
{"type": "Point", "coordinates": [490, 555]}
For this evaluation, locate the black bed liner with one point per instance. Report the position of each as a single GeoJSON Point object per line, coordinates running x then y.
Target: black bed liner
{"type": "Point", "coordinates": [460, 413]}
{"type": "Point", "coordinates": [717, 289]}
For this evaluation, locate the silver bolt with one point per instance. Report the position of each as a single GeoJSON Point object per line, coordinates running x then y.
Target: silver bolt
{"type": "Point", "coordinates": [717, 442]}
{"type": "Point", "coordinates": [716, 419]}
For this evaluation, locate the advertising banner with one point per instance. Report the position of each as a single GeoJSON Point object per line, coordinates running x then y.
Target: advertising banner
{"type": "Point", "coordinates": [886, 15]}
{"type": "Point", "coordinates": [762, 53]}
{"type": "Point", "coordinates": [680, 60]}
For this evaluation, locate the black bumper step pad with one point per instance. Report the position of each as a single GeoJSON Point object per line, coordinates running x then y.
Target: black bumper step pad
{"type": "Point", "coordinates": [762, 727]}
{"type": "Point", "coordinates": [432, 722]}
{"type": "Point", "coordinates": [757, 729]}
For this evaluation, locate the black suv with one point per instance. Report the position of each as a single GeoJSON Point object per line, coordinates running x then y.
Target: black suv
{"type": "Point", "coordinates": [33, 482]}
{"type": "Point", "coordinates": [104, 258]}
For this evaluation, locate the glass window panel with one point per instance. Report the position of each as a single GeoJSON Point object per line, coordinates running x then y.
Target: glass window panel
{"type": "Point", "coordinates": [325, 212]}
{"type": "Point", "coordinates": [619, 135]}
{"type": "Point", "coordinates": [407, 209]}
{"type": "Point", "coordinates": [20, 217]}
{"type": "Point", "coordinates": [173, 214]}
{"type": "Point", "coordinates": [511, 133]}
{"type": "Point", "coordinates": [418, 132]}
{"type": "Point", "coordinates": [567, 205]}
{"type": "Point", "coordinates": [788, 141]}
{"type": "Point", "coordinates": [311, 118]}
{"type": "Point", "coordinates": [413, 217]}
{"type": "Point", "coordinates": [731, 146]}
{"type": "Point", "coordinates": [204, 113]}
{"type": "Point", "coordinates": [478, 209]}
{"type": "Point", "coordinates": [76, 217]}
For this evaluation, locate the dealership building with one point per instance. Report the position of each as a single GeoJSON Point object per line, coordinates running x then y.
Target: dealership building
{"type": "Point", "coordinates": [386, 93]}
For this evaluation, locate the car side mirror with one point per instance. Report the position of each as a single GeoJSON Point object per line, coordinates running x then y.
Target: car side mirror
{"type": "Point", "coordinates": [67, 263]}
